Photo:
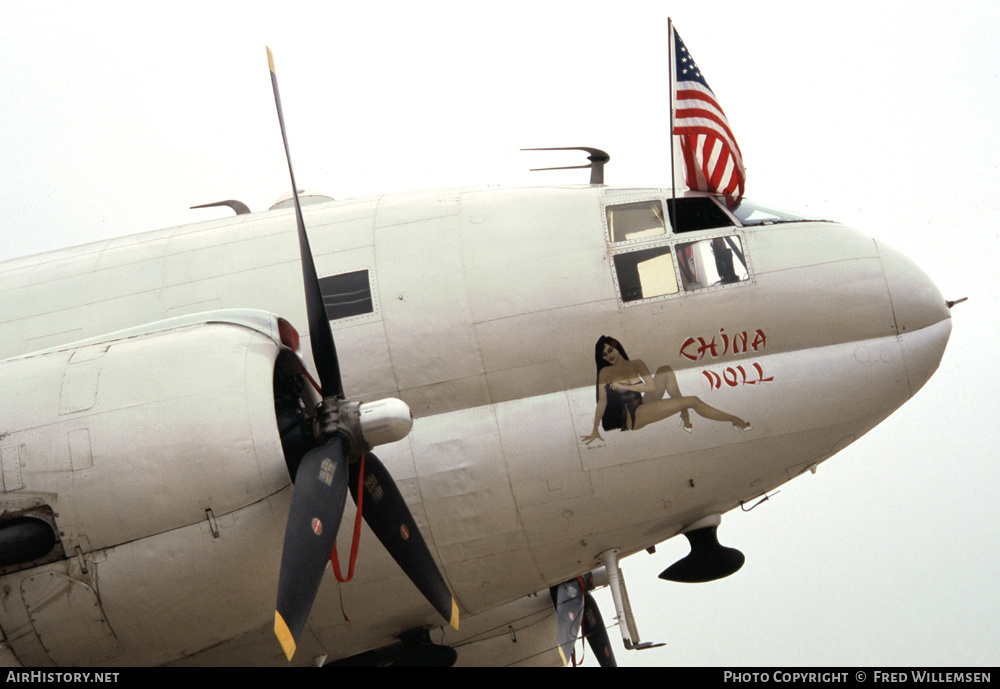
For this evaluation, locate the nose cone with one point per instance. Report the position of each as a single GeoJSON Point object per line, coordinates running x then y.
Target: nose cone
{"type": "Point", "coordinates": [923, 319]}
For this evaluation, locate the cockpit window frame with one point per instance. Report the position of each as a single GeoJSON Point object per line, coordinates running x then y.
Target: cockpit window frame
{"type": "Point", "coordinates": [663, 212]}
{"type": "Point", "coordinates": [671, 203]}
{"type": "Point", "coordinates": [623, 203]}
{"type": "Point", "coordinates": [671, 243]}
{"type": "Point", "coordinates": [774, 215]}
{"type": "Point", "coordinates": [739, 248]}
{"type": "Point", "coordinates": [630, 265]}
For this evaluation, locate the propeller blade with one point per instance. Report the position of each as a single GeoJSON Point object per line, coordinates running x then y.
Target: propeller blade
{"type": "Point", "coordinates": [320, 336]}
{"type": "Point", "coordinates": [568, 599]}
{"type": "Point", "coordinates": [318, 498]}
{"type": "Point", "coordinates": [388, 516]}
{"type": "Point", "coordinates": [596, 633]}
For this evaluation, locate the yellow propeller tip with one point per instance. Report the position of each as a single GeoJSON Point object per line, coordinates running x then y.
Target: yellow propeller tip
{"type": "Point", "coordinates": [284, 635]}
{"type": "Point", "coordinates": [270, 59]}
{"type": "Point", "coordinates": [454, 615]}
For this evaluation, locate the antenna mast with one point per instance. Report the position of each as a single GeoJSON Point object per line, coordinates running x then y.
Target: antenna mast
{"type": "Point", "coordinates": [670, 83]}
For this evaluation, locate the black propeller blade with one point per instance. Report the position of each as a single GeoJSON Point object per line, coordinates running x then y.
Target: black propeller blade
{"type": "Point", "coordinates": [597, 633]}
{"type": "Point", "coordinates": [390, 519]}
{"type": "Point", "coordinates": [320, 336]}
{"type": "Point", "coordinates": [577, 610]}
{"type": "Point", "coordinates": [313, 521]}
{"type": "Point", "coordinates": [568, 599]}
{"type": "Point", "coordinates": [321, 479]}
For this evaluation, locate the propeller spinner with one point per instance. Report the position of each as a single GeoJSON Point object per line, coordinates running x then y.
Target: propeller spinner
{"type": "Point", "coordinates": [321, 480]}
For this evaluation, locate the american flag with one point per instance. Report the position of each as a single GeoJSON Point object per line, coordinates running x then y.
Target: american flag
{"type": "Point", "coordinates": [712, 159]}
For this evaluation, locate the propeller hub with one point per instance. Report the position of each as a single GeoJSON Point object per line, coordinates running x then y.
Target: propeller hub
{"type": "Point", "coordinates": [364, 426]}
{"type": "Point", "coordinates": [337, 417]}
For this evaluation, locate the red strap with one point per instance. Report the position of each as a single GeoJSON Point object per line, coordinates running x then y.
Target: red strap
{"type": "Point", "coordinates": [312, 381]}
{"type": "Point", "coordinates": [357, 533]}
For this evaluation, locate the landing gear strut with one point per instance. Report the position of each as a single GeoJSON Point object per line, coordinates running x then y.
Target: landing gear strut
{"type": "Point", "coordinates": [626, 620]}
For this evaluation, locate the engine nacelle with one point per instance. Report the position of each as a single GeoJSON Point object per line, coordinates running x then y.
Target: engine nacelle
{"type": "Point", "coordinates": [146, 430]}
{"type": "Point", "coordinates": [144, 489]}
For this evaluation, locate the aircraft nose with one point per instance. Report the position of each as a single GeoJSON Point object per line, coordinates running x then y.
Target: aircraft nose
{"type": "Point", "coordinates": [923, 319]}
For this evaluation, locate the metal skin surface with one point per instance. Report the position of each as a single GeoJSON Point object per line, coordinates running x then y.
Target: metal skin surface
{"type": "Point", "coordinates": [486, 308]}
{"type": "Point", "coordinates": [135, 443]}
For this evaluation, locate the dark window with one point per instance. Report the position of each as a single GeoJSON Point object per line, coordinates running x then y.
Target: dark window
{"type": "Point", "coordinates": [346, 295]}
{"type": "Point", "coordinates": [698, 213]}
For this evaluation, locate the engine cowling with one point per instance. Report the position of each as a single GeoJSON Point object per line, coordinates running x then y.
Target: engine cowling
{"type": "Point", "coordinates": [153, 459]}
{"type": "Point", "coordinates": [142, 432]}
{"type": "Point", "coordinates": [146, 484]}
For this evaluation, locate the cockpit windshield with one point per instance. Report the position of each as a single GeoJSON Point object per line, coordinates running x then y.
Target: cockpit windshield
{"type": "Point", "coordinates": [750, 214]}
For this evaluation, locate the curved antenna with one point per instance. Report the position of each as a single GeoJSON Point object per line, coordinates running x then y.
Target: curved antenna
{"type": "Point", "coordinates": [238, 206]}
{"type": "Point", "coordinates": [596, 156]}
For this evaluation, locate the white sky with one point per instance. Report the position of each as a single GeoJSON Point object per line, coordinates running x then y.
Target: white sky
{"type": "Point", "coordinates": [116, 117]}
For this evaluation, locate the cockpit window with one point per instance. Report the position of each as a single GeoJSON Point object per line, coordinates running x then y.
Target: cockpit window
{"type": "Point", "coordinates": [697, 213]}
{"type": "Point", "coordinates": [640, 220]}
{"type": "Point", "coordinates": [712, 262]}
{"type": "Point", "coordinates": [750, 214]}
{"type": "Point", "coordinates": [645, 274]}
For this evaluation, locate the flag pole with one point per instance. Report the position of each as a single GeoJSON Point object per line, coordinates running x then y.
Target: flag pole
{"type": "Point", "coordinates": [672, 210]}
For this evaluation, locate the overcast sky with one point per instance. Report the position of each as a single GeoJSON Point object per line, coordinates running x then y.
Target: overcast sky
{"type": "Point", "coordinates": [115, 118]}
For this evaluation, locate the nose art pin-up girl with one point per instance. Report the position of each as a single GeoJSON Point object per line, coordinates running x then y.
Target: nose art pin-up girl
{"type": "Point", "coordinates": [630, 397]}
